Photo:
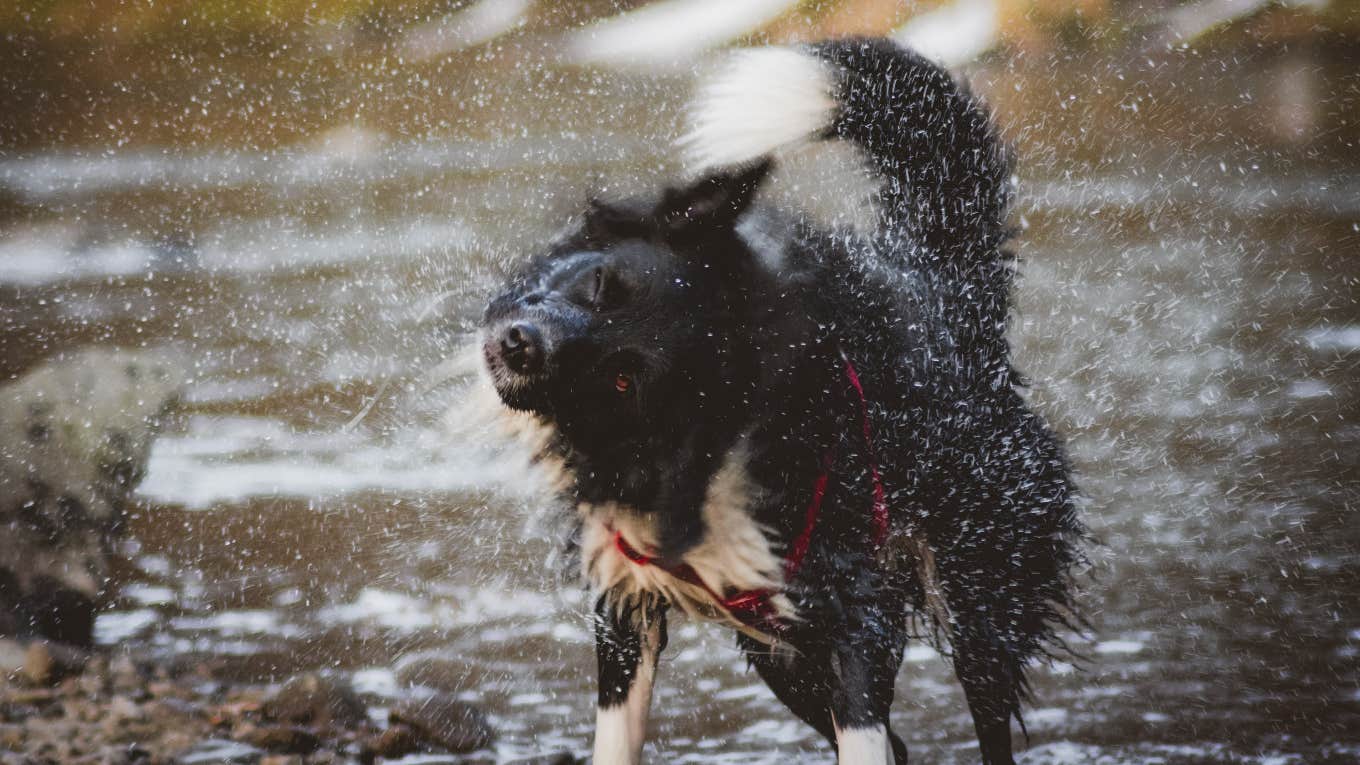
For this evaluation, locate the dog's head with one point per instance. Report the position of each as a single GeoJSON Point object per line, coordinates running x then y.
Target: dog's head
{"type": "Point", "coordinates": [628, 312]}
{"type": "Point", "coordinates": [624, 335]}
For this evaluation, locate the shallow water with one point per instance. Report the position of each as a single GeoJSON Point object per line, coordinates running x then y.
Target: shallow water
{"type": "Point", "coordinates": [1189, 314]}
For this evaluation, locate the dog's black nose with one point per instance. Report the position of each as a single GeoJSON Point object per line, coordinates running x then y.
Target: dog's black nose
{"type": "Point", "coordinates": [522, 348]}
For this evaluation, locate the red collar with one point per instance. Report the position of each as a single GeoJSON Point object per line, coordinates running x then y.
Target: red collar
{"type": "Point", "coordinates": [755, 608]}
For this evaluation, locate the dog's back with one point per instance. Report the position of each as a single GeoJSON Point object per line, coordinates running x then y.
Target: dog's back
{"type": "Point", "coordinates": [922, 304]}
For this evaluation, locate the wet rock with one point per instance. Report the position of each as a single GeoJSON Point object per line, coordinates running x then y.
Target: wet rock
{"type": "Point", "coordinates": [12, 737]}
{"type": "Point", "coordinates": [561, 758]}
{"type": "Point", "coordinates": [397, 741]}
{"type": "Point", "coordinates": [12, 657]}
{"type": "Point", "coordinates": [46, 663]}
{"type": "Point", "coordinates": [282, 739]}
{"type": "Point", "coordinates": [445, 722]}
{"type": "Point", "coordinates": [220, 752]}
{"type": "Point", "coordinates": [282, 759]}
{"type": "Point", "coordinates": [316, 699]}
{"type": "Point", "coordinates": [75, 434]}
{"type": "Point", "coordinates": [124, 677]}
{"type": "Point", "coordinates": [440, 674]}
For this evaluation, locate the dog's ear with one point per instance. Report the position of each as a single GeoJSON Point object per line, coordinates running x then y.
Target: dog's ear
{"type": "Point", "coordinates": [712, 202]}
{"type": "Point", "coordinates": [606, 222]}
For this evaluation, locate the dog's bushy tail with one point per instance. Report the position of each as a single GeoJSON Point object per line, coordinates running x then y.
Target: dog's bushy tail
{"type": "Point", "coordinates": [946, 175]}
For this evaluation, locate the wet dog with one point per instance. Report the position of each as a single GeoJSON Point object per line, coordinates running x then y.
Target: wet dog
{"type": "Point", "coordinates": [814, 437]}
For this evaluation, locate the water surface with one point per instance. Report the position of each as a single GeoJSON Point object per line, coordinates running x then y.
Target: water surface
{"type": "Point", "coordinates": [1189, 314]}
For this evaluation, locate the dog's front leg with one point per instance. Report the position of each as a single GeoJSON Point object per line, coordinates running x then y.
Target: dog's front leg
{"type": "Point", "coordinates": [628, 639]}
{"type": "Point", "coordinates": [864, 668]}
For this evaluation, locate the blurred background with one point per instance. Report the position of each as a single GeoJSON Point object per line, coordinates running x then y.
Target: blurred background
{"type": "Point", "coordinates": [241, 243]}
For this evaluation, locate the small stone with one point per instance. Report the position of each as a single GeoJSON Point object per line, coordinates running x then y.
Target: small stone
{"type": "Point", "coordinates": [47, 663]}
{"type": "Point", "coordinates": [124, 708]}
{"type": "Point", "coordinates": [445, 722]}
{"type": "Point", "coordinates": [124, 676]}
{"type": "Point", "coordinates": [561, 758]}
{"type": "Point", "coordinates": [397, 741]}
{"type": "Point", "coordinates": [315, 699]}
{"type": "Point", "coordinates": [282, 759]}
{"type": "Point", "coordinates": [440, 674]}
{"type": "Point", "coordinates": [282, 739]}
{"type": "Point", "coordinates": [164, 689]}
{"type": "Point", "coordinates": [39, 664]}
{"type": "Point", "coordinates": [12, 737]}
{"type": "Point", "coordinates": [12, 657]}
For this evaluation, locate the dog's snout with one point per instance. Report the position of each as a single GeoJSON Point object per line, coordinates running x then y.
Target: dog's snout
{"type": "Point", "coordinates": [522, 348]}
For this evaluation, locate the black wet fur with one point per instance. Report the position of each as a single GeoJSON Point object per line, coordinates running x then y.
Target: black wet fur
{"type": "Point", "coordinates": [619, 647]}
{"type": "Point", "coordinates": [715, 348]}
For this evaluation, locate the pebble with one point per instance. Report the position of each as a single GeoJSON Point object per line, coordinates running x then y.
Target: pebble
{"type": "Point", "coordinates": [561, 758]}
{"type": "Point", "coordinates": [397, 741]}
{"type": "Point", "coordinates": [316, 699]}
{"type": "Point", "coordinates": [12, 657]}
{"type": "Point", "coordinates": [47, 663]}
{"type": "Point", "coordinates": [440, 674]}
{"type": "Point", "coordinates": [283, 739]}
{"type": "Point", "coordinates": [39, 664]}
{"type": "Point", "coordinates": [446, 722]}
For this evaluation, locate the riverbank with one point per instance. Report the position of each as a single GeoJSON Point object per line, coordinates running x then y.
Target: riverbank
{"type": "Point", "coordinates": [67, 707]}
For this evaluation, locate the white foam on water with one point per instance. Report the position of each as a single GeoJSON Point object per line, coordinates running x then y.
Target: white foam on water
{"type": "Point", "coordinates": [46, 254]}
{"type": "Point", "coordinates": [1306, 389]}
{"type": "Point", "coordinates": [1346, 338]}
{"type": "Point", "coordinates": [466, 606]}
{"type": "Point", "coordinates": [353, 156]}
{"type": "Point", "coordinates": [272, 245]}
{"type": "Point", "coordinates": [1119, 647]}
{"type": "Point", "coordinates": [232, 459]}
{"type": "Point", "coordinates": [384, 608]}
{"type": "Point", "coordinates": [227, 391]}
{"type": "Point", "coordinates": [147, 594]}
{"type": "Point", "coordinates": [378, 681]}
{"type": "Point", "coordinates": [1045, 717]}
{"type": "Point", "coordinates": [237, 623]}
{"type": "Point", "coordinates": [60, 253]}
{"type": "Point", "coordinates": [778, 731]}
{"type": "Point", "coordinates": [742, 692]}
{"type": "Point", "coordinates": [113, 627]}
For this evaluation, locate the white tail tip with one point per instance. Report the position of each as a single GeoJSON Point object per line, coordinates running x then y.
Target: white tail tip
{"type": "Point", "coordinates": [760, 100]}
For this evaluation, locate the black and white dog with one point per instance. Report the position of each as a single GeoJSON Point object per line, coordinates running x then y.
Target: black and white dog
{"type": "Point", "coordinates": [815, 438]}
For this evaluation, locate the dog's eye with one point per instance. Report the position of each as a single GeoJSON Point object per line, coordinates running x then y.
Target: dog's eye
{"type": "Point", "coordinates": [597, 293]}
{"type": "Point", "coordinates": [623, 383]}
{"type": "Point", "coordinates": [606, 290]}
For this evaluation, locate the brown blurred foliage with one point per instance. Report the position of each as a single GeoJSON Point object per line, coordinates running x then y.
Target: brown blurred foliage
{"type": "Point", "coordinates": [1025, 23]}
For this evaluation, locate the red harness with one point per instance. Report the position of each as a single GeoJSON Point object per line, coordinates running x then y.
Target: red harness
{"type": "Point", "coordinates": [755, 608]}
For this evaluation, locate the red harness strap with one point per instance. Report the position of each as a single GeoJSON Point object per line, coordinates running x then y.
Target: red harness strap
{"type": "Point", "coordinates": [755, 608]}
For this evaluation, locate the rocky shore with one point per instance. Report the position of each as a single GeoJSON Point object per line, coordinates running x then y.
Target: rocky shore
{"type": "Point", "coordinates": [77, 432]}
{"type": "Point", "coordinates": [63, 706]}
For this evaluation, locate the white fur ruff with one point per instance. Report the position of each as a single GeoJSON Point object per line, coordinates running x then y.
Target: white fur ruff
{"type": "Point", "coordinates": [735, 553]}
{"type": "Point", "coordinates": [760, 100]}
